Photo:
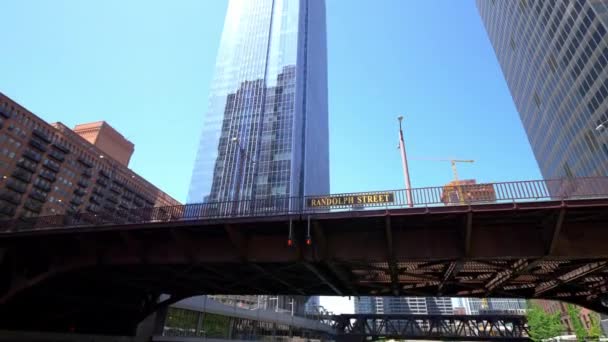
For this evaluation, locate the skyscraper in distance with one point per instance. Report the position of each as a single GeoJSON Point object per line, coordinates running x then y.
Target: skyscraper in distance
{"type": "Point", "coordinates": [265, 132]}
{"type": "Point", "coordinates": [554, 56]}
{"type": "Point", "coordinates": [313, 304]}
{"type": "Point", "coordinates": [404, 305]}
{"type": "Point", "coordinates": [365, 305]}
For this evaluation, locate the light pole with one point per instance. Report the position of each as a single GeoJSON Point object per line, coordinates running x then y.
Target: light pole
{"type": "Point", "coordinates": [406, 173]}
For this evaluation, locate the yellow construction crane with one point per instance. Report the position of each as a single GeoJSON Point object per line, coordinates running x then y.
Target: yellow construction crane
{"type": "Point", "coordinates": [455, 183]}
{"type": "Point", "coordinates": [452, 162]}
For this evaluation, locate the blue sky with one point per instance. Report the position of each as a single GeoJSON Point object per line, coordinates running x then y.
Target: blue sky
{"type": "Point", "coordinates": [145, 66]}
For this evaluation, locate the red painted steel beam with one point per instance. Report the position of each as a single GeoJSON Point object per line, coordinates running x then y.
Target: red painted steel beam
{"type": "Point", "coordinates": [390, 257]}
{"type": "Point", "coordinates": [556, 231]}
{"type": "Point", "coordinates": [570, 276]}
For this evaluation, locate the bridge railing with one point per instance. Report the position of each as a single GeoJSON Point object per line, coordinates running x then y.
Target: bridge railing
{"type": "Point", "coordinates": [464, 193]}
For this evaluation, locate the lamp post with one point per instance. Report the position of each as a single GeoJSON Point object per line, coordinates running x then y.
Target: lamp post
{"type": "Point", "coordinates": [406, 173]}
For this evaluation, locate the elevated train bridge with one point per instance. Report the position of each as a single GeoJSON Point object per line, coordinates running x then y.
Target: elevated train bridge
{"type": "Point", "coordinates": [365, 327]}
{"type": "Point", "coordinates": [101, 273]}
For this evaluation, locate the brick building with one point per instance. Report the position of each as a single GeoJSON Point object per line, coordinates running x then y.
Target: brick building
{"type": "Point", "coordinates": [48, 169]}
{"type": "Point", "coordinates": [551, 307]}
{"type": "Point", "coordinates": [467, 190]}
{"type": "Point", "coordinates": [107, 139]}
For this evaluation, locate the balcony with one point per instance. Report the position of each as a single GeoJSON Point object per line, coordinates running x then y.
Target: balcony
{"type": "Point", "coordinates": [42, 186]}
{"type": "Point", "coordinates": [76, 201]}
{"type": "Point", "coordinates": [10, 196]}
{"type": "Point", "coordinates": [83, 183]}
{"type": "Point", "coordinates": [61, 147]}
{"type": "Point", "coordinates": [22, 174]}
{"type": "Point", "coordinates": [4, 112]}
{"type": "Point", "coordinates": [37, 144]}
{"type": "Point", "coordinates": [32, 155]}
{"type": "Point", "coordinates": [59, 156]}
{"type": "Point", "coordinates": [41, 135]}
{"type": "Point", "coordinates": [48, 175]}
{"type": "Point", "coordinates": [40, 196]}
{"type": "Point", "coordinates": [27, 165]}
{"type": "Point", "coordinates": [102, 182]}
{"type": "Point", "coordinates": [34, 206]}
{"type": "Point", "coordinates": [49, 164]}
{"type": "Point", "coordinates": [79, 192]}
{"type": "Point", "coordinates": [7, 209]}
{"type": "Point", "coordinates": [87, 173]}
{"type": "Point", "coordinates": [93, 208]}
{"type": "Point", "coordinates": [16, 185]}
{"type": "Point", "coordinates": [85, 162]}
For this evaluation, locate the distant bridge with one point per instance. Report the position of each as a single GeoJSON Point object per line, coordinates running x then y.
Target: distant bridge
{"type": "Point", "coordinates": [98, 273]}
{"type": "Point", "coordinates": [363, 327]}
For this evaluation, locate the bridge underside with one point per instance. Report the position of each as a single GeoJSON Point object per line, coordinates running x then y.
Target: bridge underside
{"type": "Point", "coordinates": [107, 279]}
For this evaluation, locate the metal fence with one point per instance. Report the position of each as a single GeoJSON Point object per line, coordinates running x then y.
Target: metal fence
{"type": "Point", "coordinates": [448, 195]}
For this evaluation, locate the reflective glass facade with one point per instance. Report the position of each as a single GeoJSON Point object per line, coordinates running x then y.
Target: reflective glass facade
{"type": "Point", "coordinates": [265, 132]}
{"type": "Point", "coordinates": [364, 305]}
{"type": "Point", "coordinates": [404, 305]}
{"type": "Point", "coordinates": [554, 56]}
{"type": "Point", "coordinates": [497, 305]}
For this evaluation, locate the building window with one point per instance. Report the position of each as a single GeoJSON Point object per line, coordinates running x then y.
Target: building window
{"type": "Point", "coordinates": [523, 4]}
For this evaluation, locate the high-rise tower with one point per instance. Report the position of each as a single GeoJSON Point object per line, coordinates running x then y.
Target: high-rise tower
{"type": "Point", "coordinates": [265, 132]}
{"type": "Point", "coordinates": [554, 56]}
{"type": "Point", "coordinates": [404, 305]}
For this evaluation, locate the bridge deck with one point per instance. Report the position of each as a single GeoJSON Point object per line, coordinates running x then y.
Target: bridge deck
{"type": "Point", "coordinates": [544, 249]}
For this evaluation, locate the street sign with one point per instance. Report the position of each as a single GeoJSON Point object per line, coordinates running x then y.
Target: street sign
{"type": "Point", "coordinates": [345, 200]}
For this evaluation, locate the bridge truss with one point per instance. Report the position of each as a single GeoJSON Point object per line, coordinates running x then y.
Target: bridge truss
{"type": "Point", "coordinates": [359, 327]}
{"type": "Point", "coordinates": [105, 273]}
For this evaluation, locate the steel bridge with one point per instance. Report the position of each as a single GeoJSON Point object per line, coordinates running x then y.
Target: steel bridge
{"type": "Point", "coordinates": [101, 273]}
{"type": "Point", "coordinates": [363, 327]}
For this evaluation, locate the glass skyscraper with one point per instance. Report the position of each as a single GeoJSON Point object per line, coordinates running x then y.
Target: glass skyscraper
{"type": "Point", "coordinates": [554, 56]}
{"type": "Point", "coordinates": [496, 305]}
{"type": "Point", "coordinates": [404, 305]}
{"type": "Point", "coordinates": [265, 132]}
{"type": "Point", "coordinates": [313, 304]}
